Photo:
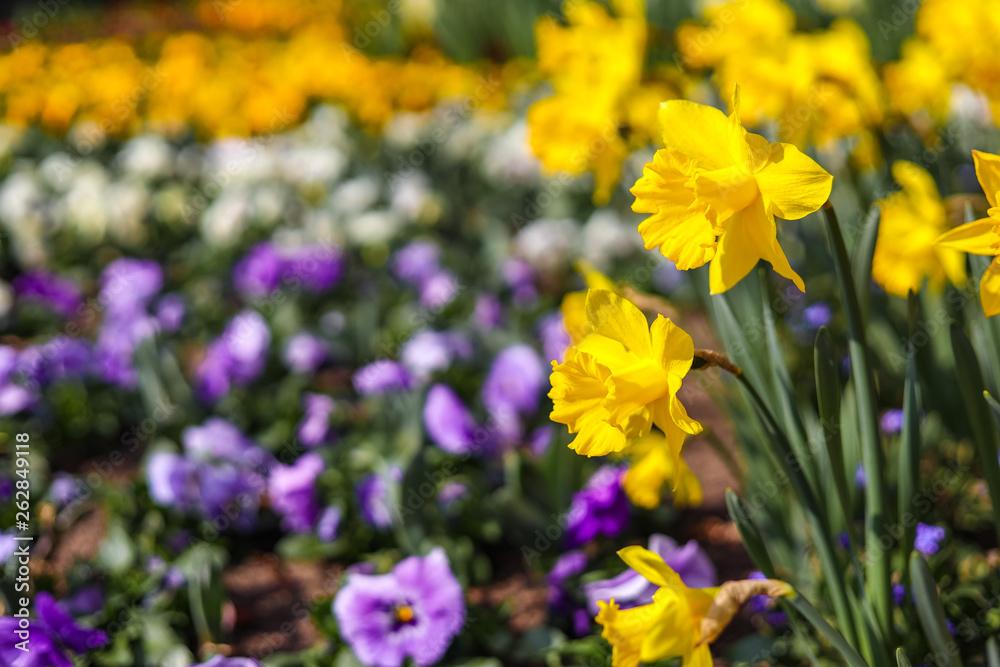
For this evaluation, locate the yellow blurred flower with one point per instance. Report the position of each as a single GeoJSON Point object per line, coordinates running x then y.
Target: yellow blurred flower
{"type": "Point", "coordinates": [982, 237]}
{"type": "Point", "coordinates": [817, 86]}
{"type": "Point", "coordinates": [919, 81]}
{"type": "Point", "coordinates": [622, 378]}
{"type": "Point", "coordinates": [657, 461]}
{"type": "Point", "coordinates": [680, 621]}
{"type": "Point", "coordinates": [600, 108]}
{"type": "Point", "coordinates": [714, 190]}
{"type": "Point", "coordinates": [912, 220]}
{"type": "Point", "coordinates": [732, 28]}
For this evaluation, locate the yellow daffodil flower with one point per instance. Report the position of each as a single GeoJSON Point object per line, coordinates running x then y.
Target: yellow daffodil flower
{"type": "Point", "coordinates": [714, 190]}
{"type": "Point", "coordinates": [622, 378]}
{"type": "Point", "coordinates": [656, 461]}
{"type": "Point", "coordinates": [982, 237]}
{"type": "Point", "coordinates": [912, 220]}
{"type": "Point", "coordinates": [680, 621]}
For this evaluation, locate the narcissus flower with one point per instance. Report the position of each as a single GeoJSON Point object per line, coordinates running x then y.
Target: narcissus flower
{"type": "Point", "coordinates": [574, 304]}
{"type": "Point", "coordinates": [680, 621]}
{"type": "Point", "coordinates": [622, 378]}
{"type": "Point", "coordinates": [655, 462]}
{"type": "Point", "coordinates": [714, 190]}
{"type": "Point", "coordinates": [982, 237]}
{"type": "Point", "coordinates": [911, 221]}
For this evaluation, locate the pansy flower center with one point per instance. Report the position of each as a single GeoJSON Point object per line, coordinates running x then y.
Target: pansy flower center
{"type": "Point", "coordinates": [404, 613]}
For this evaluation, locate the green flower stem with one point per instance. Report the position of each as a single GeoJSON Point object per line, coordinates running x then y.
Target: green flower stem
{"type": "Point", "coordinates": [791, 467]}
{"type": "Point", "coordinates": [878, 581]}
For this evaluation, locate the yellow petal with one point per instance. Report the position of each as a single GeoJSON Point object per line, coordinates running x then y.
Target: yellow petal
{"type": "Point", "coordinates": [574, 312]}
{"type": "Point", "coordinates": [988, 171]}
{"type": "Point", "coordinates": [646, 476]}
{"type": "Point", "coordinates": [625, 630]}
{"type": "Point", "coordinates": [619, 319]}
{"type": "Point", "coordinates": [651, 566]}
{"type": "Point", "coordinates": [792, 183]}
{"type": "Point", "coordinates": [697, 131]}
{"type": "Point", "coordinates": [598, 438]}
{"type": "Point", "coordinates": [916, 181]}
{"type": "Point", "coordinates": [989, 289]}
{"type": "Point", "coordinates": [678, 413]}
{"type": "Point", "coordinates": [737, 254]}
{"type": "Point", "coordinates": [632, 388]}
{"type": "Point", "coordinates": [701, 657]}
{"type": "Point", "coordinates": [578, 391]}
{"type": "Point", "coordinates": [750, 235]}
{"type": "Point", "coordinates": [672, 346]}
{"type": "Point", "coordinates": [978, 238]}
{"type": "Point", "coordinates": [676, 225]}
{"type": "Point", "coordinates": [673, 634]}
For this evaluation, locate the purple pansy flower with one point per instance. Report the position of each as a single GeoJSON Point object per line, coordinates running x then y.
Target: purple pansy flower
{"type": "Point", "coordinates": [53, 635]}
{"type": "Point", "coordinates": [449, 423]}
{"type": "Point", "coordinates": [762, 604]}
{"type": "Point", "coordinates": [304, 353]}
{"type": "Point", "coordinates": [514, 382]}
{"type": "Point", "coordinates": [570, 563]}
{"type": "Point", "coordinates": [412, 612]}
{"type": "Point", "coordinates": [328, 525]}
{"type": "Point", "coordinates": [314, 429]}
{"type": "Point", "coordinates": [450, 493]}
{"type": "Point", "coordinates": [220, 661]}
{"type": "Point", "coordinates": [892, 421]}
{"type": "Point", "coordinates": [928, 539]}
{"type": "Point", "coordinates": [439, 290]}
{"type": "Point", "coordinates": [601, 508]}
{"type": "Point", "coordinates": [373, 496]}
{"type": "Point", "coordinates": [555, 338]}
{"type": "Point", "coordinates": [317, 267]}
{"type": "Point", "coordinates": [236, 357]}
{"type": "Point", "coordinates": [293, 492]}
{"type": "Point", "coordinates": [381, 377]}
{"type": "Point", "coordinates": [220, 440]}
{"type": "Point", "coordinates": [817, 315]}
{"type": "Point", "coordinates": [631, 589]}
{"type": "Point", "coordinates": [488, 312]}
{"type": "Point", "coordinates": [259, 272]}
{"type": "Point", "coordinates": [416, 262]}
{"type": "Point", "coordinates": [170, 312]}
{"type": "Point", "coordinates": [430, 351]}
{"type": "Point", "coordinates": [61, 295]}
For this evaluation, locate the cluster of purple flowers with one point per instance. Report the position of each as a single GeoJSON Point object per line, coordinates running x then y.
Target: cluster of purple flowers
{"type": "Point", "coordinates": [511, 392]}
{"type": "Point", "coordinates": [265, 267]}
{"type": "Point", "coordinates": [218, 476]}
{"type": "Point", "coordinates": [54, 635]}
{"type": "Point", "coordinates": [54, 292]}
{"type": "Point", "coordinates": [128, 288]}
{"type": "Point", "coordinates": [419, 264]}
{"type": "Point", "coordinates": [236, 357]}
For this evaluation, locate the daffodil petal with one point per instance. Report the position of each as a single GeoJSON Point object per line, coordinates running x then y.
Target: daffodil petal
{"type": "Point", "coordinates": [792, 183]}
{"type": "Point", "coordinates": [673, 633]}
{"type": "Point", "coordinates": [989, 289]}
{"type": "Point", "coordinates": [651, 566]}
{"type": "Point", "coordinates": [978, 238]}
{"type": "Point", "coordinates": [700, 132]}
{"type": "Point", "coordinates": [737, 254]}
{"type": "Point", "coordinates": [676, 224]}
{"type": "Point", "coordinates": [598, 438]}
{"type": "Point", "coordinates": [672, 346]}
{"type": "Point", "coordinates": [988, 172]}
{"type": "Point", "coordinates": [619, 319]}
